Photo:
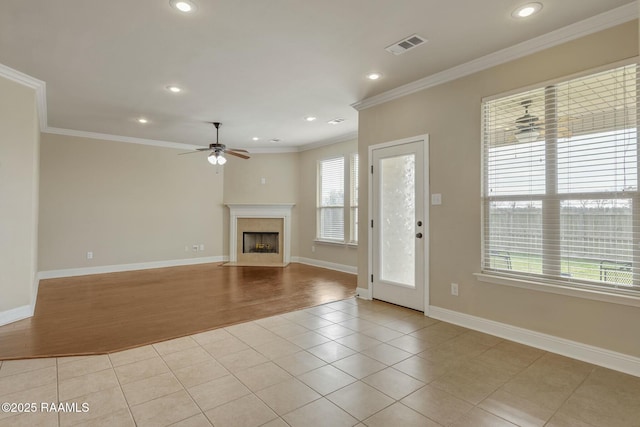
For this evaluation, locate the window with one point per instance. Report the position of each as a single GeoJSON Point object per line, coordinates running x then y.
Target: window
{"type": "Point", "coordinates": [331, 203]}
{"type": "Point", "coordinates": [338, 199]}
{"type": "Point", "coordinates": [353, 176]}
{"type": "Point", "coordinates": [560, 183]}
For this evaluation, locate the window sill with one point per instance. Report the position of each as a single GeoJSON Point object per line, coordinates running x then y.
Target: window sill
{"type": "Point", "coordinates": [329, 242]}
{"type": "Point", "coordinates": [335, 243]}
{"type": "Point", "coordinates": [560, 289]}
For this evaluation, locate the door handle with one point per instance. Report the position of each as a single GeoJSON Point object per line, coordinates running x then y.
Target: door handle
{"type": "Point", "coordinates": [419, 235]}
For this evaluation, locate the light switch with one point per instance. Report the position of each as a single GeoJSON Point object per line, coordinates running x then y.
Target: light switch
{"type": "Point", "coordinates": [263, 181]}
{"type": "Point", "coordinates": [436, 199]}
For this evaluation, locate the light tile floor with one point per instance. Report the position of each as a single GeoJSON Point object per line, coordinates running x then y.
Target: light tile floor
{"type": "Point", "coordinates": [347, 363]}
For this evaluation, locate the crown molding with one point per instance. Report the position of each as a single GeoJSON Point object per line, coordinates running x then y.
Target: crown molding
{"type": "Point", "coordinates": [583, 28]}
{"type": "Point", "coordinates": [335, 140]}
{"type": "Point", "coordinates": [119, 138]}
{"type": "Point", "coordinates": [33, 83]}
{"type": "Point", "coordinates": [350, 136]}
{"type": "Point", "coordinates": [273, 150]}
{"type": "Point", "coordinates": [181, 146]}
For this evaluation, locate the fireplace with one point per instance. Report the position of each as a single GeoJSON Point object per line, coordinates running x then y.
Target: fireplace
{"type": "Point", "coordinates": [259, 235]}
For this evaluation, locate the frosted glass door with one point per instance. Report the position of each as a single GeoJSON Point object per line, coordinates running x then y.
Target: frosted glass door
{"type": "Point", "coordinates": [399, 226]}
{"type": "Point", "coordinates": [398, 219]}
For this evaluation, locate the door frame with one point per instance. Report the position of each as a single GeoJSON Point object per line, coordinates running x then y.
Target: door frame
{"type": "Point", "coordinates": [424, 139]}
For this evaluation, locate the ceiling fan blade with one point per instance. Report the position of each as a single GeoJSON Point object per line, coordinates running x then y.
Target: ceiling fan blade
{"type": "Point", "coordinates": [198, 150]}
{"type": "Point", "coordinates": [238, 150]}
{"type": "Point", "coordinates": [233, 153]}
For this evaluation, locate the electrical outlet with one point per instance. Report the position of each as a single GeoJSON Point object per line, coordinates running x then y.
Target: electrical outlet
{"type": "Point", "coordinates": [202, 246]}
{"type": "Point", "coordinates": [89, 255]}
{"type": "Point", "coordinates": [194, 248]}
{"type": "Point", "coordinates": [454, 289]}
{"type": "Point", "coordinates": [186, 248]}
{"type": "Point", "coordinates": [313, 248]}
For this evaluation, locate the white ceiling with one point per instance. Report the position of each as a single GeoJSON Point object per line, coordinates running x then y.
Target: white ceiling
{"type": "Point", "coordinates": [259, 66]}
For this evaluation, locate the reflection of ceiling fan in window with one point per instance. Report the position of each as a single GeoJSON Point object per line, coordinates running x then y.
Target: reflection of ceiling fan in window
{"type": "Point", "coordinates": [529, 128]}
{"type": "Point", "coordinates": [219, 150]}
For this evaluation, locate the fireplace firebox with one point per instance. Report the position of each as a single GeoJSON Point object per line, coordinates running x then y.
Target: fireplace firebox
{"type": "Point", "coordinates": [264, 242]}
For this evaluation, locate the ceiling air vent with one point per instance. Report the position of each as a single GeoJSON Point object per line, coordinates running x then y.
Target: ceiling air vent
{"type": "Point", "coordinates": [335, 121]}
{"type": "Point", "coordinates": [406, 44]}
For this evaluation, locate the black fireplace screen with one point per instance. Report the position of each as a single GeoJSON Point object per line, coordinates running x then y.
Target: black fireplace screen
{"type": "Point", "coordinates": [260, 242]}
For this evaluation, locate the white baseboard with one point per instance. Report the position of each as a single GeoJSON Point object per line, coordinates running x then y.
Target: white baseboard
{"type": "Point", "coordinates": [70, 272]}
{"type": "Point", "coordinates": [16, 314]}
{"type": "Point", "coordinates": [326, 264]}
{"type": "Point", "coordinates": [586, 353]}
{"type": "Point", "coordinates": [363, 293]}
{"type": "Point", "coordinates": [34, 295]}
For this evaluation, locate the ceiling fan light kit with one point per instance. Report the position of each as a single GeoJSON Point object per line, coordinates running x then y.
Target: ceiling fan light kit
{"type": "Point", "coordinates": [216, 157]}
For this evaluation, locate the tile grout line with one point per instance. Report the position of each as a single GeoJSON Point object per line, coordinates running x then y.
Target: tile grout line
{"type": "Point", "coordinates": [187, 389]}
{"type": "Point", "coordinates": [178, 380]}
{"type": "Point", "coordinates": [504, 383]}
{"type": "Point", "coordinates": [251, 392]}
{"type": "Point", "coordinates": [293, 376]}
{"type": "Point", "coordinates": [359, 352]}
{"type": "Point", "coordinates": [572, 393]}
{"type": "Point", "coordinates": [121, 389]}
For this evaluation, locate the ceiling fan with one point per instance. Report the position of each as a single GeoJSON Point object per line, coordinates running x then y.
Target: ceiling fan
{"type": "Point", "coordinates": [529, 128]}
{"type": "Point", "coordinates": [219, 150]}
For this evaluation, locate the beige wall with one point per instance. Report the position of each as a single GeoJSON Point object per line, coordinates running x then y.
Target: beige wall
{"type": "Point", "coordinates": [338, 254]}
{"type": "Point", "coordinates": [243, 184]}
{"type": "Point", "coordinates": [127, 203]}
{"type": "Point", "coordinates": [19, 144]}
{"type": "Point", "coordinates": [131, 203]}
{"type": "Point", "coordinates": [450, 114]}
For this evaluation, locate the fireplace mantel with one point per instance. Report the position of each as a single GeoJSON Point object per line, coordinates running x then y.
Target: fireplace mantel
{"type": "Point", "coordinates": [245, 210]}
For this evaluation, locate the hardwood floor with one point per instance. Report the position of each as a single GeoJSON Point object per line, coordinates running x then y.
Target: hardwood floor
{"type": "Point", "coordinates": [112, 312]}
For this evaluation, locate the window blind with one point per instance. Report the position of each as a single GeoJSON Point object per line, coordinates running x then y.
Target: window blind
{"type": "Point", "coordinates": [560, 182]}
{"type": "Point", "coordinates": [354, 198]}
{"type": "Point", "coordinates": [331, 199]}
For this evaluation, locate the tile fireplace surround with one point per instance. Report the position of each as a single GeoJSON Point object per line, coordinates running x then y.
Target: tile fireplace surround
{"type": "Point", "coordinates": [259, 218]}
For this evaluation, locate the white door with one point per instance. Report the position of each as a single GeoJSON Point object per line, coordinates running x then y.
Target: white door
{"type": "Point", "coordinates": [399, 226]}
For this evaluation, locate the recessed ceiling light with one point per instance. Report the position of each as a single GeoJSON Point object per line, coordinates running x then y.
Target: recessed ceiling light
{"type": "Point", "coordinates": [310, 118]}
{"type": "Point", "coordinates": [143, 120]}
{"type": "Point", "coordinates": [374, 76]}
{"type": "Point", "coordinates": [185, 6]}
{"type": "Point", "coordinates": [174, 89]}
{"type": "Point", "coordinates": [255, 138]}
{"type": "Point", "coordinates": [335, 121]}
{"type": "Point", "coordinates": [527, 10]}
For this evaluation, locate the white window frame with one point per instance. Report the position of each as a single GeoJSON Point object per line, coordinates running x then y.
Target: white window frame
{"type": "Point", "coordinates": [353, 200]}
{"type": "Point", "coordinates": [348, 232]}
{"type": "Point", "coordinates": [556, 285]}
{"type": "Point", "coordinates": [321, 207]}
